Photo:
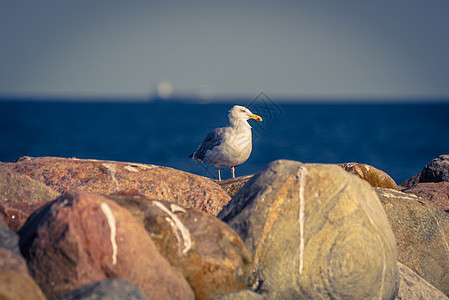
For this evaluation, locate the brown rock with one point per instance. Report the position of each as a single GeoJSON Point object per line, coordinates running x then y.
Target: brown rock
{"type": "Point", "coordinates": [82, 237]}
{"type": "Point", "coordinates": [20, 196]}
{"type": "Point", "coordinates": [15, 214]}
{"type": "Point", "coordinates": [15, 187]}
{"type": "Point", "coordinates": [209, 254]}
{"type": "Point", "coordinates": [375, 177]}
{"type": "Point", "coordinates": [421, 231]}
{"type": "Point", "coordinates": [315, 232]}
{"type": "Point", "coordinates": [15, 282]}
{"type": "Point", "coordinates": [233, 185]}
{"type": "Point", "coordinates": [107, 177]}
{"type": "Point", "coordinates": [435, 192]}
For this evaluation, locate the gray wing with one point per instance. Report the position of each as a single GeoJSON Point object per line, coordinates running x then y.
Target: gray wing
{"type": "Point", "coordinates": [213, 139]}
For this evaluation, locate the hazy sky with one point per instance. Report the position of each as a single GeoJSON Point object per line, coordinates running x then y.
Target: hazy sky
{"type": "Point", "coordinates": [302, 49]}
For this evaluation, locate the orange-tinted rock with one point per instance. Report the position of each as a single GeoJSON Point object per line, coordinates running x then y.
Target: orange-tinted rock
{"type": "Point", "coordinates": [107, 177]}
{"type": "Point", "coordinates": [82, 237]}
{"type": "Point", "coordinates": [435, 192]}
{"type": "Point", "coordinates": [375, 177]}
{"type": "Point", "coordinates": [233, 185]}
{"type": "Point", "coordinates": [210, 255]}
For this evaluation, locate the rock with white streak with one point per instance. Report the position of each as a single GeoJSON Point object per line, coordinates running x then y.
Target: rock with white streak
{"type": "Point", "coordinates": [81, 238]}
{"type": "Point", "coordinates": [209, 254]}
{"type": "Point", "coordinates": [315, 232]}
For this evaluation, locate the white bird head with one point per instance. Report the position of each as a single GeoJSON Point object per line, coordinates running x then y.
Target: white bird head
{"type": "Point", "coordinates": [242, 113]}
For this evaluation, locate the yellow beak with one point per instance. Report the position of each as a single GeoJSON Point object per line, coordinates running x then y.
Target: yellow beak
{"type": "Point", "coordinates": [256, 117]}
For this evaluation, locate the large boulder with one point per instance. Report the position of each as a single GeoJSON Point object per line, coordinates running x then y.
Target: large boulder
{"type": "Point", "coordinates": [82, 238]}
{"type": "Point", "coordinates": [414, 287]}
{"type": "Point", "coordinates": [436, 170]}
{"type": "Point", "coordinates": [315, 232]}
{"type": "Point", "coordinates": [107, 177]}
{"type": "Point", "coordinates": [209, 254]}
{"type": "Point", "coordinates": [374, 176]}
{"type": "Point", "coordinates": [421, 231]}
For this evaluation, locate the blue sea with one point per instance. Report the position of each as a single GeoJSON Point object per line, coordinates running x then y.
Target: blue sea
{"type": "Point", "coordinates": [396, 138]}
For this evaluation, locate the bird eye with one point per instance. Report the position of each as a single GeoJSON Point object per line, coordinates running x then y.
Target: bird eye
{"type": "Point", "coordinates": [242, 110]}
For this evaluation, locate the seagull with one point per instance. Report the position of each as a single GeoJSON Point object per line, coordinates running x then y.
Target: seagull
{"type": "Point", "coordinates": [228, 146]}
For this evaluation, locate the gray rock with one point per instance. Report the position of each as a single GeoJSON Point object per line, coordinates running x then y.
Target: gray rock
{"type": "Point", "coordinates": [9, 240]}
{"type": "Point", "coordinates": [315, 232]}
{"type": "Point", "coordinates": [436, 170]}
{"type": "Point", "coordinates": [113, 289]}
{"type": "Point", "coordinates": [413, 287]}
{"type": "Point", "coordinates": [422, 232]}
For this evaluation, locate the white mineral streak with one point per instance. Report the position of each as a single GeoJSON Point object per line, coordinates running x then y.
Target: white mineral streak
{"type": "Point", "coordinates": [111, 221]}
{"type": "Point", "coordinates": [131, 169]}
{"type": "Point", "coordinates": [175, 230]}
{"type": "Point", "coordinates": [302, 172]}
{"type": "Point", "coordinates": [176, 208]}
{"type": "Point", "coordinates": [111, 167]}
{"type": "Point", "coordinates": [182, 229]}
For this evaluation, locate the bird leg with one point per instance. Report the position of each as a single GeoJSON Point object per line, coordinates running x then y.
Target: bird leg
{"type": "Point", "coordinates": [219, 176]}
{"type": "Point", "coordinates": [233, 172]}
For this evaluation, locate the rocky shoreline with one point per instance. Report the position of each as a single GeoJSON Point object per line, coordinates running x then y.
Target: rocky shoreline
{"type": "Point", "coordinates": [90, 229]}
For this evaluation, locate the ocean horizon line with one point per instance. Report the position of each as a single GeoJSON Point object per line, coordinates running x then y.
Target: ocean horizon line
{"type": "Point", "coordinates": [188, 99]}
